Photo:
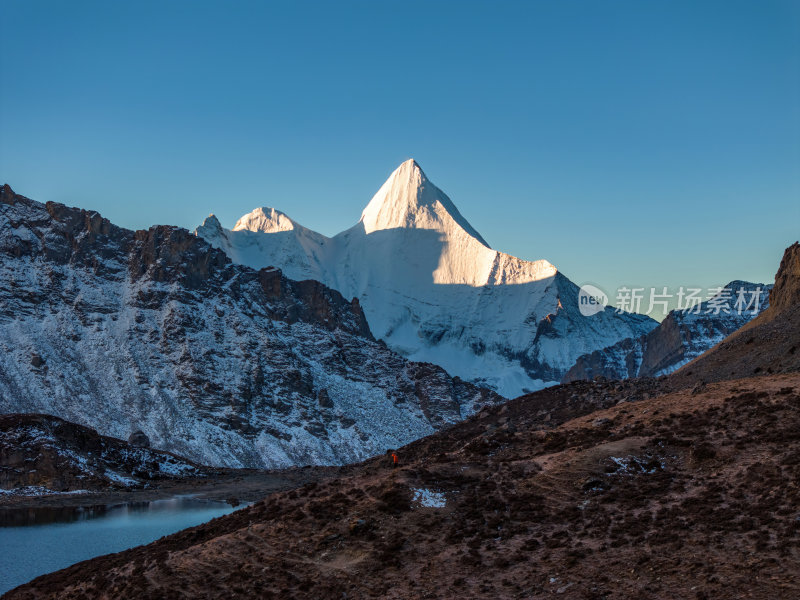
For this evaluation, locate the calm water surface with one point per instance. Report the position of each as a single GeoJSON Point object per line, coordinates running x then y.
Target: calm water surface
{"type": "Point", "coordinates": [38, 541]}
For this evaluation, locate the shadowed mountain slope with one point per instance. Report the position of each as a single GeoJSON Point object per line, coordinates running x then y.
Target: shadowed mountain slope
{"type": "Point", "coordinates": [157, 331]}
{"type": "Point", "coordinates": [41, 454]}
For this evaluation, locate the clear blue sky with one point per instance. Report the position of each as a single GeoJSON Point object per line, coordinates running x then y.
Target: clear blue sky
{"type": "Point", "coordinates": [639, 143]}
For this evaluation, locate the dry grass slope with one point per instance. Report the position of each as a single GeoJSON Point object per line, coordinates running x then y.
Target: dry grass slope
{"type": "Point", "coordinates": [676, 494]}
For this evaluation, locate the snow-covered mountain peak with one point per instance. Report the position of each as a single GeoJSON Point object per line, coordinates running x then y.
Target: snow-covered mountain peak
{"type": "Point", "coordinates": [408, 200]}
{"type": "Point", "coordinates": [266, 220]}
{"type": "Point", "coordinates": [434, 290]}
{"type": "Point", "coordinates": [212, 224]}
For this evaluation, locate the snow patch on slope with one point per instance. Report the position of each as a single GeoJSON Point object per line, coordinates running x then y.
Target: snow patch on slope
{"type": "Point", "coordinates": [429, 498]}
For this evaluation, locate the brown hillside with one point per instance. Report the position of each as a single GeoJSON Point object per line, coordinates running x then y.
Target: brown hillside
{"type": "Point", "coordinates": [674, 495]}
{"type": "Point", "coordinates": [768, 344]}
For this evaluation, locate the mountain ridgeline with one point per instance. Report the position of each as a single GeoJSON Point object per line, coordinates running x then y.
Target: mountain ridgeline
{"type": "Point", "coordinates": [43, 455]}
{"type": "Point", "coordinates": [767, 345]}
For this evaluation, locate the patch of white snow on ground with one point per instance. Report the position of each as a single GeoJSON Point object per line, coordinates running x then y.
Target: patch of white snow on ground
{"type": "Point", "coordinates": [120, 479]}
{"type": "Point", "coordinates": [429, 498]}
{"type": "Point", "coordinates": [632, 465]}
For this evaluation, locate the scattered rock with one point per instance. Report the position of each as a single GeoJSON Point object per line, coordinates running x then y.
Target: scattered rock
{"type": "Point", "coordinates": [139, 439]}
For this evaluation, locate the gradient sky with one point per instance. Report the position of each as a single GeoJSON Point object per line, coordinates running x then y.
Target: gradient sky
{"type": "Point", "coordinates": [629, 143]}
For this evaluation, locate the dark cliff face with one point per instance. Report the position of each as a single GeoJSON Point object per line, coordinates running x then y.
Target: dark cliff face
{"type": "Point", "coordinates": [786, 293]}
{"type": "Point", "coordinates": [665, 346]}
{"type": "Point", "coordinates": [53, 455]}
{"type": "Point", "coordinates": [769, 344]}
{"type": "Point", "coordinates": [620, 361]}
{"type": "Point", "coordinates": [224, 364]}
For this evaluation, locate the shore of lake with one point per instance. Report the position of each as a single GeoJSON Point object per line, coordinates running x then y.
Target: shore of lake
{"type": "Point", "coordinates": [226, 485]}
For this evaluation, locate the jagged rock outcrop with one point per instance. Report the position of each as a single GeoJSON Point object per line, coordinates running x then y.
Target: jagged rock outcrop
{"type": "Point", "coordinates": [786, 293]}
{"type": "Point", "coordinates": [680, 337]}
{"type": "Point", "coordinates": [214, 361]}
{"type": "Point", "coordinates": [42, 454]}
{"type": "Point", "coordinates": [139, 439]}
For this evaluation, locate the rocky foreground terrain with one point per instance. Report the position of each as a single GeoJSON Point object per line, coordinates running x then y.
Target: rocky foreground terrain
{"type": "Point", "coordinates": [639, 492]}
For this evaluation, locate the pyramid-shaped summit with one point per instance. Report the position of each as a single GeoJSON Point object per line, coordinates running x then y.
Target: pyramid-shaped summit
{"type": "Point", "coordinates": [409, 200]}
{"type": "Point", "coordinates": [434, 290]}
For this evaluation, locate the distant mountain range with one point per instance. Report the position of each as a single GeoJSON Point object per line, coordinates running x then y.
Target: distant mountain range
{"type": "Point", "coordinates": [769, 344]}
{"type": "Point", "coordinates": [680, 337]}
{"type": "Point", "coordinates": [219, 356]}
{"type": "Point", "coordinates": [433, 289]}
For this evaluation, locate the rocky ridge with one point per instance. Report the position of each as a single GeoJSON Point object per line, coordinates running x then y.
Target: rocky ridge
{"type": "Point", "coordinates": [42, 455]}
{"type": "Point", "coordinates": [769, 344]}
{"type": "Point", "coordinates": [157, 331]}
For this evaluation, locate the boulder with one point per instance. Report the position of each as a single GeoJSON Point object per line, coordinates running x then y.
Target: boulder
{"type": "Point", "coordinates": [139, 439]}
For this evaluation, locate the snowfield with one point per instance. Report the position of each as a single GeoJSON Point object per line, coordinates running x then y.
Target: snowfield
{"type": "Point", "coordinates": [37, 490]}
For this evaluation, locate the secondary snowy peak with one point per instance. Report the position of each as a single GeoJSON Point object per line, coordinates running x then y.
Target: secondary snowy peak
{"type": "Point", "coordinates": [212, 226]}
{"type": "Point", "coordinates": [267, 234]}
{"type": "Point", "coordinates": [266, 220]}
{"type": "Point", "coordinates": [408, 200]}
